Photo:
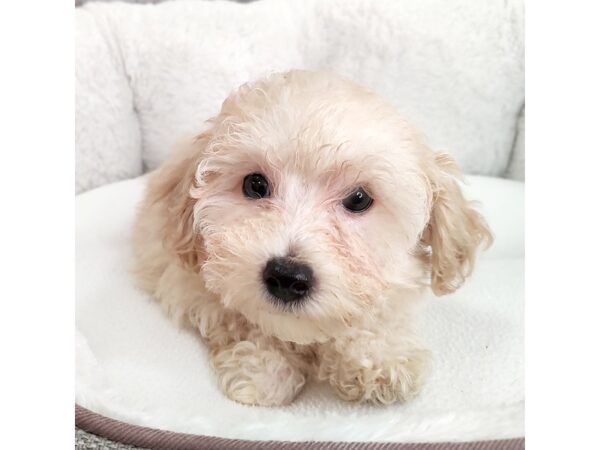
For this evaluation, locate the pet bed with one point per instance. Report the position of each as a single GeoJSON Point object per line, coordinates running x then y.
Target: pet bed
{"type": "Point", "coordinates": [143, 381]}
{"type": "Point", "coordinates": [149, 74]}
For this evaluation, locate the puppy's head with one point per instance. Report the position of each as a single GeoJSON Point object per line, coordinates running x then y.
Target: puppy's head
{"type": "Point", "coordinates": [308, 205]}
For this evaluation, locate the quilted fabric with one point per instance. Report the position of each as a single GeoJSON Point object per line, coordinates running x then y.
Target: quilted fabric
{"type": "Point", "coordinates": [148, 74]}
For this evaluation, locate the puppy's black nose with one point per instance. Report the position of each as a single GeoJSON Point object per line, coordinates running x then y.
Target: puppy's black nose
{"type": "Point", "coordinates": [286, 279]}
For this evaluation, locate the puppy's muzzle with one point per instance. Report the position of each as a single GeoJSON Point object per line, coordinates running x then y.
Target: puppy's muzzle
{"type": "Point", "coordinates": [287, 280]}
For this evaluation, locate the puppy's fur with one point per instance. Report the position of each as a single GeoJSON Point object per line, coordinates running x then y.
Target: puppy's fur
{"type": "Point", "coordinates": [201, 245]}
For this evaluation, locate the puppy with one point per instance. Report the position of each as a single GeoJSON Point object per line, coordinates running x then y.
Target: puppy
{"type": "Point", "coordinates": [298, 231]}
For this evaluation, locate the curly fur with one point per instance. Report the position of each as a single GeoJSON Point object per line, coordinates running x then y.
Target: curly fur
{"type": "Point", "coordinates": [200, 245]}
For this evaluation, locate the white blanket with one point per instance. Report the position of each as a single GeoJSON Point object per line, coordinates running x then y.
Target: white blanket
{"type": "Point", "coordinates": [134, 365]}
{"type": "Point", "coordinates": [148, 74]}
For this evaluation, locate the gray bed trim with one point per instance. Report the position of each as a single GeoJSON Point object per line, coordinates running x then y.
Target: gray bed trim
{"type": "Point", "coordinates": [167, 440]}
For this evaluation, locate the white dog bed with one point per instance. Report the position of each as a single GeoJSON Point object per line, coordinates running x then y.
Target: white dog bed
{"type": "Point", "coordinates": [137, 367]}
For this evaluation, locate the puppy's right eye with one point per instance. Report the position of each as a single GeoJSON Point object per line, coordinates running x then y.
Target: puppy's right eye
{"type": "Point", "coordinates": [256, 186]}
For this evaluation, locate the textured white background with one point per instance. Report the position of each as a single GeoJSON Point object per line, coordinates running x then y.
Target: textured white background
{"type": "Point", "coordinates": [148, 74]}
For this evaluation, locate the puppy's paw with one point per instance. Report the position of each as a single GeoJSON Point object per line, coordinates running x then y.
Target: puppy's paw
{"type": "Point", "coordinates": [254, 376]}
{"type": "Point", "coordinates": [386, 383]}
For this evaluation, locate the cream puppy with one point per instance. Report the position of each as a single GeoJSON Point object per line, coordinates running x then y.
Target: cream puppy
{"type": "Point", "coordinates": [297, 232]}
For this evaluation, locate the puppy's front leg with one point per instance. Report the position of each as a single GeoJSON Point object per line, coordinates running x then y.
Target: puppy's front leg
{"type": "Point", "coordinates": [258, 371]}
{"type": "Point", "coordinates": [369, 366]}
{"type": "Point", "coordinates": [252, 368]}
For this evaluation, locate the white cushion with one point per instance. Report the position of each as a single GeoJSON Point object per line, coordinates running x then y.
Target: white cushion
{"type": "Point", "coordinates": [134, 365]}
{"type": "Point", "coordinates": [107, 132]}
{"type": "Point", "coordinates": [453, 68]}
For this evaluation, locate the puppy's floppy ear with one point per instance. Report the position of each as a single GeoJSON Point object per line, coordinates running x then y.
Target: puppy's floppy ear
{"type": "Point", "coordinates": [455, 229]}
{"type": "Point", "coordinates": [169, 189]}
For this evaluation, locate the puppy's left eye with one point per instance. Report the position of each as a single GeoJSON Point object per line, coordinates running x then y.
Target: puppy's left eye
{"type": "Point", "coordinates": [358, 201]}
{"type": "Point", "coordinates": [256, 186]}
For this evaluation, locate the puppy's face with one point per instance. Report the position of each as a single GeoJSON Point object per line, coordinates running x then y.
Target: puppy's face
{"type": "Point", "coordinates": [314, 204]}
